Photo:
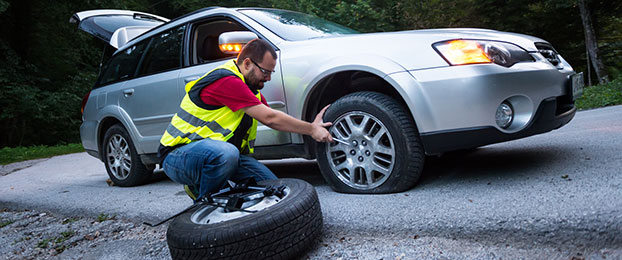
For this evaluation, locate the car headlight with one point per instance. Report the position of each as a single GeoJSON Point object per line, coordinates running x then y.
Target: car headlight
{"type": "Point", "coordinates": [461, 52]}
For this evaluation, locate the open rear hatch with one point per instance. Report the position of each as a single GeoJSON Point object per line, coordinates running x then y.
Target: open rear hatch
{"type": "Point", "coordinates": [116, 27]}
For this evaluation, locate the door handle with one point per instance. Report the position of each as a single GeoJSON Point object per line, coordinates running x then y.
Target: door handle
{"type": "Point", "coordinates": [186, 80]}
{"type": "Point", "coordinates": [276, 104]}
{"type": "Point", "coordinates": [128, 92]}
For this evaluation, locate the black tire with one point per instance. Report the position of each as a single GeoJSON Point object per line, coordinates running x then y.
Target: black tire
{"type": "Point", "coordinates": [121, 159]}
{"type": "Point", "coordinates": [281, 231]}
{"type": "Point", "coordinates": [391, 163]}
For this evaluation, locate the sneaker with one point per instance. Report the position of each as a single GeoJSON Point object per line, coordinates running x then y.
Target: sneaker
{"type": "Point", "coordinates": [192, 192]}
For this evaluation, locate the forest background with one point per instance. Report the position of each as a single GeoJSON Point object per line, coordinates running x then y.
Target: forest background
{"type": "Point", "coordinates": [47, 65]}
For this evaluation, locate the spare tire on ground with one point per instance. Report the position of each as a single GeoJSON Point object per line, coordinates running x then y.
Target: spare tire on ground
{"type": "Point", "coordinates": [281, 225]}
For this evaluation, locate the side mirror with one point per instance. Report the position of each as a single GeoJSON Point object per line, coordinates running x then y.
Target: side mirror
{"type": "Point", "coordinates": [232, 42]}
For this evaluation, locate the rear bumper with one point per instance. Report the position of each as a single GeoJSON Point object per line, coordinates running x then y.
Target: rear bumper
{"type": "Point", "coordinates": [552, 113]}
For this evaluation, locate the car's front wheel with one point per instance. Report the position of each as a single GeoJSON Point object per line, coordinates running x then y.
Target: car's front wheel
{"type": "Point", "coordinates": [381, 152]}
{"type": "Point", "coordinates": [121, 159]}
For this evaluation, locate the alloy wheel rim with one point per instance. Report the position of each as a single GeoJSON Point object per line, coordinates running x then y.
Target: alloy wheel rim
{"type": "Point", "coordinates": [118, 156]}
{"type": "Point", "coordinates": [368, 159]}
{"type": "Point", "coordinates": [211, 214]}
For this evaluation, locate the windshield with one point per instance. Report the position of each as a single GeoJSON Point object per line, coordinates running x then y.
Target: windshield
{"type": "Point", "coordinates": [294, 26]}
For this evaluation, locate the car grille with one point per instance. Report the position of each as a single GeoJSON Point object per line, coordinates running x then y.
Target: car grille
{"type": "Point", "coordinates": [550, 54]}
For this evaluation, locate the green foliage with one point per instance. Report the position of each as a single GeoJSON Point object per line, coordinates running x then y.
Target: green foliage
{"type": "Point", "coordinates": [10, 155]}
{"type": "Point", "coordinates": [4, 223]}
{"type": "Point", "coordinates": [57, 241]}
{"type": "Point", "coordinates": [3, 6]}
{"type": "Point", "coordinates": [601, 95]}
{"type": "Point", "coordinates": [610, 45]}
{"type": "Point", "coordinates": [103, 217]}
{"type": "Point", "coordinates": [64, 236]}
{"type": "Point", "coordinates": [44, 243]}
{"type": "Point", "coordinates": [47, 68]}
{"type": "Point", "coordinates": [70, 220]}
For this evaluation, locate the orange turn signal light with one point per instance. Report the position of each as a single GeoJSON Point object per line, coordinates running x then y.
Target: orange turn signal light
{"type": "Point", "coordinates": [231, 48]}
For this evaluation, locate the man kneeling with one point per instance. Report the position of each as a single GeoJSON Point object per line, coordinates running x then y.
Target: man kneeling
{"type": "Point", "coordinates": [210, 137]}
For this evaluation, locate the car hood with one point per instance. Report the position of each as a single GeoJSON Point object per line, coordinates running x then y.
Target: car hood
{"type": "Point", "coordinates": [411, 49]}
{"type": "Point", "coordinates": [524, 41]}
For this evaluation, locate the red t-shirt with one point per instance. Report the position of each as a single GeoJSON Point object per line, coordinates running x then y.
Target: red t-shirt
{"type": "Point", "coordinates": [232, 92]}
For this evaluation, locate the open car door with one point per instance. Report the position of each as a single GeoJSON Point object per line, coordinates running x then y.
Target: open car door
{"type": "Point", "coordinates": [116, 27]}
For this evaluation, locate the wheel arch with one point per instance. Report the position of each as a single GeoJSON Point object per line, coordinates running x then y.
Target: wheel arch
{"type": "Point", "coordinates": [340, 83]}
{"type": "Point", "coordinates": [104, 125]}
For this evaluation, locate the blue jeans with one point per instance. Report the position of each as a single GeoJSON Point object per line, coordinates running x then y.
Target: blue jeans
{"type": "Point", "coordinates": [207, 164]}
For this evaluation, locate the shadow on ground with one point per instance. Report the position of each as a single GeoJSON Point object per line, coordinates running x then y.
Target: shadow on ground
{"type": "Point", "coordinates": [459, 166]}
{"type": "Point", "coordinates": [306, 170]}
{"type": "Point", "coordinates": [491, 162]}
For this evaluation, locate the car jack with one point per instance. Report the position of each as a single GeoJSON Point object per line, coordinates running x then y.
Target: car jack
{"type": "Point", "coordinates": [235, 195]}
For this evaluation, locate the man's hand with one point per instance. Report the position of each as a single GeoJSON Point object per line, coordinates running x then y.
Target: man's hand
{"type": "Point", "coordinates": [283, 122]}
{"type": "Point", "coordinates": [319, 132]}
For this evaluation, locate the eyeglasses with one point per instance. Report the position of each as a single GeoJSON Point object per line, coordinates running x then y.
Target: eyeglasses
{"type": "Point", "coordinates": [264, 71]}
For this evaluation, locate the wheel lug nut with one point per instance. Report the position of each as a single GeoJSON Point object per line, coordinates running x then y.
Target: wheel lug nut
{"type": "Point", "coordinates": [368, 153]}
{"type": "Point", "coordinates": [355, 143]}
{"type": "Point", "coordinates": [364, 142]}
{"type": "Point", "coordinates": [352, 152]}
{"type": "Point", "coordinates": [360, 158]}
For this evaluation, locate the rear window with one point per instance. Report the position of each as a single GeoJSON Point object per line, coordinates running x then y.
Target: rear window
{"type": "Point", "coordinates": [164, 52]}
{"type": "Point", "coordinates": [122, 66]}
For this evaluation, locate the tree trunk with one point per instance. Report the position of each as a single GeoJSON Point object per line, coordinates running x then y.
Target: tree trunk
{"type": "Point", "coordinates": [591, 44]}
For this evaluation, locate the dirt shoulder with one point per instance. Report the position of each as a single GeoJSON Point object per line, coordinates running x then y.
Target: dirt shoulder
{"type": "Point", "coordinates": [43, 235]}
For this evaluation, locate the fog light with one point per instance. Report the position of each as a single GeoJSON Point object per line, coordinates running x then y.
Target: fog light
{"type": "Point", "coordinates": [504, 115]}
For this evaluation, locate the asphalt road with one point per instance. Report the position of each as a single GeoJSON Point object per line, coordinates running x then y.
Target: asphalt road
{"type": "Point", "coordinates": [553, 196]}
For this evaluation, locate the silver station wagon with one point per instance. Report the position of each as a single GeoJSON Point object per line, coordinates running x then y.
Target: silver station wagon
{"type": "Point", "coordinates": [396, 96]}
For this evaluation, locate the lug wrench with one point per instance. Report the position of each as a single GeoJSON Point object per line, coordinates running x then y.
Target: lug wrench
{"type": "Point", "coordinates": [340, 141]}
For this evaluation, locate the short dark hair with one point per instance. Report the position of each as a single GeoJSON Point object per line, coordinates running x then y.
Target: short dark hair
{"type": "Point", "coordinates": [255, 50]}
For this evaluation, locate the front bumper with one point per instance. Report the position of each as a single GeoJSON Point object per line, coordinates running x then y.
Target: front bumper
{"type": "Point", "coordinates": [552, 113]}
{"type": "Point", "coordinates": [454, 107]}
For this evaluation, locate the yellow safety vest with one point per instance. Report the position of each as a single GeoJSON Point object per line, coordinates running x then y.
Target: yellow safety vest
{"type": "Point", "coordinates": [197, 120]}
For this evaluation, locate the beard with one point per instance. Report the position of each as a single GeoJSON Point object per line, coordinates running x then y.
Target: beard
{"type": "Point", "coordinates": [256, 86]}
{"type": "Point", "coordinates": [253, 83]}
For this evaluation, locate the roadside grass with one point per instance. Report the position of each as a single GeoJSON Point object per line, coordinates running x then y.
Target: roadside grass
{"type": "Point", "coordinates": [603, 95]}
{"type": "Point", "coordinates": [18, 154]}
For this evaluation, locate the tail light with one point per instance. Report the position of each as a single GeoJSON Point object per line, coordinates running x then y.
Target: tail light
{"type": "Point", "coordinates": [84, 100]}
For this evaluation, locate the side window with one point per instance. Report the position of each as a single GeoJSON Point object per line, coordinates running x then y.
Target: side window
{"type": "Point", "coordinates": [205, 39]}
{"type": "Point", "coordinates": [123, 65]}
{"type": "Point", "coordinates": [164, 52]}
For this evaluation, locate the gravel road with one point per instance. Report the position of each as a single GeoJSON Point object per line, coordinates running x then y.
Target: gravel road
{"type": "Point", "coordinates": [551, 196]}
{"type": "Point", "coordinates": [44, 235]}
